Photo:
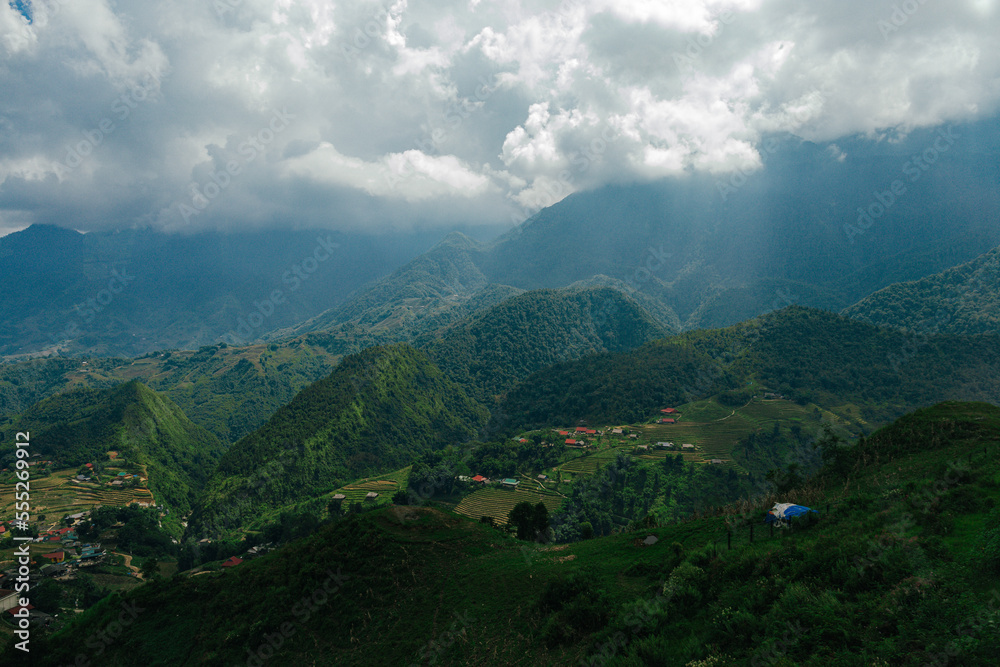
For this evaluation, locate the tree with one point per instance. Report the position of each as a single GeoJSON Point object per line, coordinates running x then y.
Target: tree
{"type": "Point", "coordinates": [400, 498]}
{"type": "Point", "coordinates": [151, 569]}
{"type": "Point", "coordinates": [522, 518]}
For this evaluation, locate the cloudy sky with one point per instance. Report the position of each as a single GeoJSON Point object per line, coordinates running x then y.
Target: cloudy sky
{"type": "Point", "coordinates": [187, 114]}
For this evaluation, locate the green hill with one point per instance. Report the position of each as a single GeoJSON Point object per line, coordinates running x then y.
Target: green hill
{"type": "Point", "coordinates": [490, 352]}
{"type": "Point", "coordinates": [962, 300]}
{"type": "Point", "coordinates": [899, 567]}
{"type": "Point", "coordinates": [145, 428]}
{"type": "Point", "coordinates": [376, 412]}
{"type": "Point", "coordinates": [228, 390]}
{"type": "Point", "coordinates": [809, 355]}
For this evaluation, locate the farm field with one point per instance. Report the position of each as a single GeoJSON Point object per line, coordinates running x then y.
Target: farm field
{"type": "Point", "coordinates": [715, 439]}
{"type": "Point", "coordinates": [384, 485]}
{"type": "Point", "coordinates": [58, 495]}
{"type": "Point", "coordinates": [498, 503]}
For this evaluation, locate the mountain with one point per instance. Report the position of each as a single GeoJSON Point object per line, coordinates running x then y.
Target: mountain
{"type": "Point", "coordinates": [228, 390]}
{"type": "Point", "coordinates": [806, 230]}
{"type": "Point", "coordinates": [491, 351]}
{"type": "Point", "coordinates": [376, 412]}
{"type": "Point", "coordinates": [133, 291]}
{"type": "Point", "coordinates": [900, 562]}
{"type": "Point", "coordinates": [415, 303]}
{"type": "Point", "coordinates": [961, 300]}
{"type": "Point", "coordinates": [805, 354]}
{"type": "Point", "coordinates": [145, 428]}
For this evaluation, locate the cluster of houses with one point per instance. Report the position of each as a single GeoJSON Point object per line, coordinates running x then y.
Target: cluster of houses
{"type": "Point", "coordinates": [507, 482]}
{"type": "Point", "coordinates": [670, 416]}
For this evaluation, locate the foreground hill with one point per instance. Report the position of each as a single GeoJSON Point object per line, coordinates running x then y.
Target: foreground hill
{"type": "Point", "coordinates": [809, 355]}
{"type": "Point", "coordinates": [489, 352]}
{"type": "Point", "coordinates": [376, 412]}
{"type": "Point", "coordinates": [147, 430]}
{"type": "Point", "coordinates": [962, 300]}
{"type": "Point", "coordinates": [899, 567]}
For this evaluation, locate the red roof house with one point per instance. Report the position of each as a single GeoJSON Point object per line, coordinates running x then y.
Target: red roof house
{"type": "Point", "coordinates": [55, 556]}
{"type": "Point", "coordinates": [592, 431]}
{"type": "Point", "coordinates": [668, 421]}
{"type": "Point", "coordinates": [479, 478]}
{"type": "Point", "coordinates": [232, 562]}
{"type": "Point", "coordinates": [570, 441]}
{"type": "Point", "coordinates": [563, 432]}
{"type": "Point", "coordinates": [581, 429]}
{"type": "Point", "coordinates": [13, 612]}
{"type": "Point", "coordinates": [669, 411]}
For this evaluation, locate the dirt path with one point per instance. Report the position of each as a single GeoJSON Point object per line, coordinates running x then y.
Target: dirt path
{"type": "Point", "coordinates": [128, 564]}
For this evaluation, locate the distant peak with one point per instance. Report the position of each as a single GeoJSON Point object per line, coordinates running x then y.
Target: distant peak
{"type": "Point", "coordinates": [458, 240]}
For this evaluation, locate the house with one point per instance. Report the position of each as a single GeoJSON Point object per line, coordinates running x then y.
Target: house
{"type": "Point", "coordinates": [616, 431]}
{"type": "Point", "coordinates": [14, 611]}
{"type": "Point", "coordinates": [633, 436]}
{"type": "Point", "coordinates": [669, 411]}
{"type": "Point", "coordinates": [668, 421]}
{"type": "Point", "coordinates": [509, 483]}
{"type": "Point", "coordinates": [480, 479]}
{"type": "Point", "coordinates": [54, 570]}
{"type": "Point", "coordinates": [371, 495]}
{"type": "Point", "coordinates": [687, 446]}
{"type": "Point", "coordinates": [716, 462]}
{"type": "Point", "coordinates": [591, 431]}
{"type": "Point", "coordinates": [8, 600]}
{"type": "Point", "coordinates": [642, 448]}
{"type": "Point", "coordinates": [339, 496]}
{"type": "Point", "coordinates": [543, 477]}
{"type": "Point", "coordinates": [55, 556]}
{"type": "Point", "coordinates": [581, 429]}
{"type": "Point", "coordinates": [3, 529]}
{"type": "Point", "coordinates": [232, 562]}
{"type": "Point", "coordinates": [570, 441]}
{"type": "Point", "coordinates": [563, 432]}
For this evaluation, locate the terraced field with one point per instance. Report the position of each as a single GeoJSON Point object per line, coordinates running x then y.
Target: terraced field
{"type": "Point", "coordinates": [384, 485]}
{"type": "Point", "coordinates": [58, 495]}
{"type": "Point", "coordinates": [498, 503]}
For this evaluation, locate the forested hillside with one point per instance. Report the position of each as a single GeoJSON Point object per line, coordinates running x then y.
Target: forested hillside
{"type": "Point", "coordinates": [899, 565]}
{"type": "Point", "coordinates": [962, 300]}
{"type": "Point", "coordinates": [145, 429]}
{"type": "Point", "coordinates": [377, 411]}
{"type": "Point", "coordinates": [809, 355]}
{"type": "Point", "coordinates": [490, 352]}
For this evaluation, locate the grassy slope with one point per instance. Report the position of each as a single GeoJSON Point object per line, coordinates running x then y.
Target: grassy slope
{"type": "Point", "coordinates": [877, 580]}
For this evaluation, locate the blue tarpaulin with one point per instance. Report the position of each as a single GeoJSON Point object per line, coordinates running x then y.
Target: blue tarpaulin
{"type": "Point", "coordinates": [782, 511]}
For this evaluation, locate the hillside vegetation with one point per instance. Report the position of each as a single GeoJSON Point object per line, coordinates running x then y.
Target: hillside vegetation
{"type": "Point", "coordinates": [490, 352]}
{"type": "Point", "coordinates": [900, 566]}
{"type": "Point", "coordinates": [376, 412]}
{"type": "Point", "coordinates": [962, 300]}
{"type": "Point", "coordinates": [147, 430]}
{"type": "Point", "coordinates": [810, 355]}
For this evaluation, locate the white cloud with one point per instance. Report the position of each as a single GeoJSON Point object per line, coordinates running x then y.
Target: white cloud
{"type": "Point", "coordinates": [518, 100]}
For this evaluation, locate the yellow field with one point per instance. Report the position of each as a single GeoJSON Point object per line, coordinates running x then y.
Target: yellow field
{"type": "Point", "coordinates": [498, 503]}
